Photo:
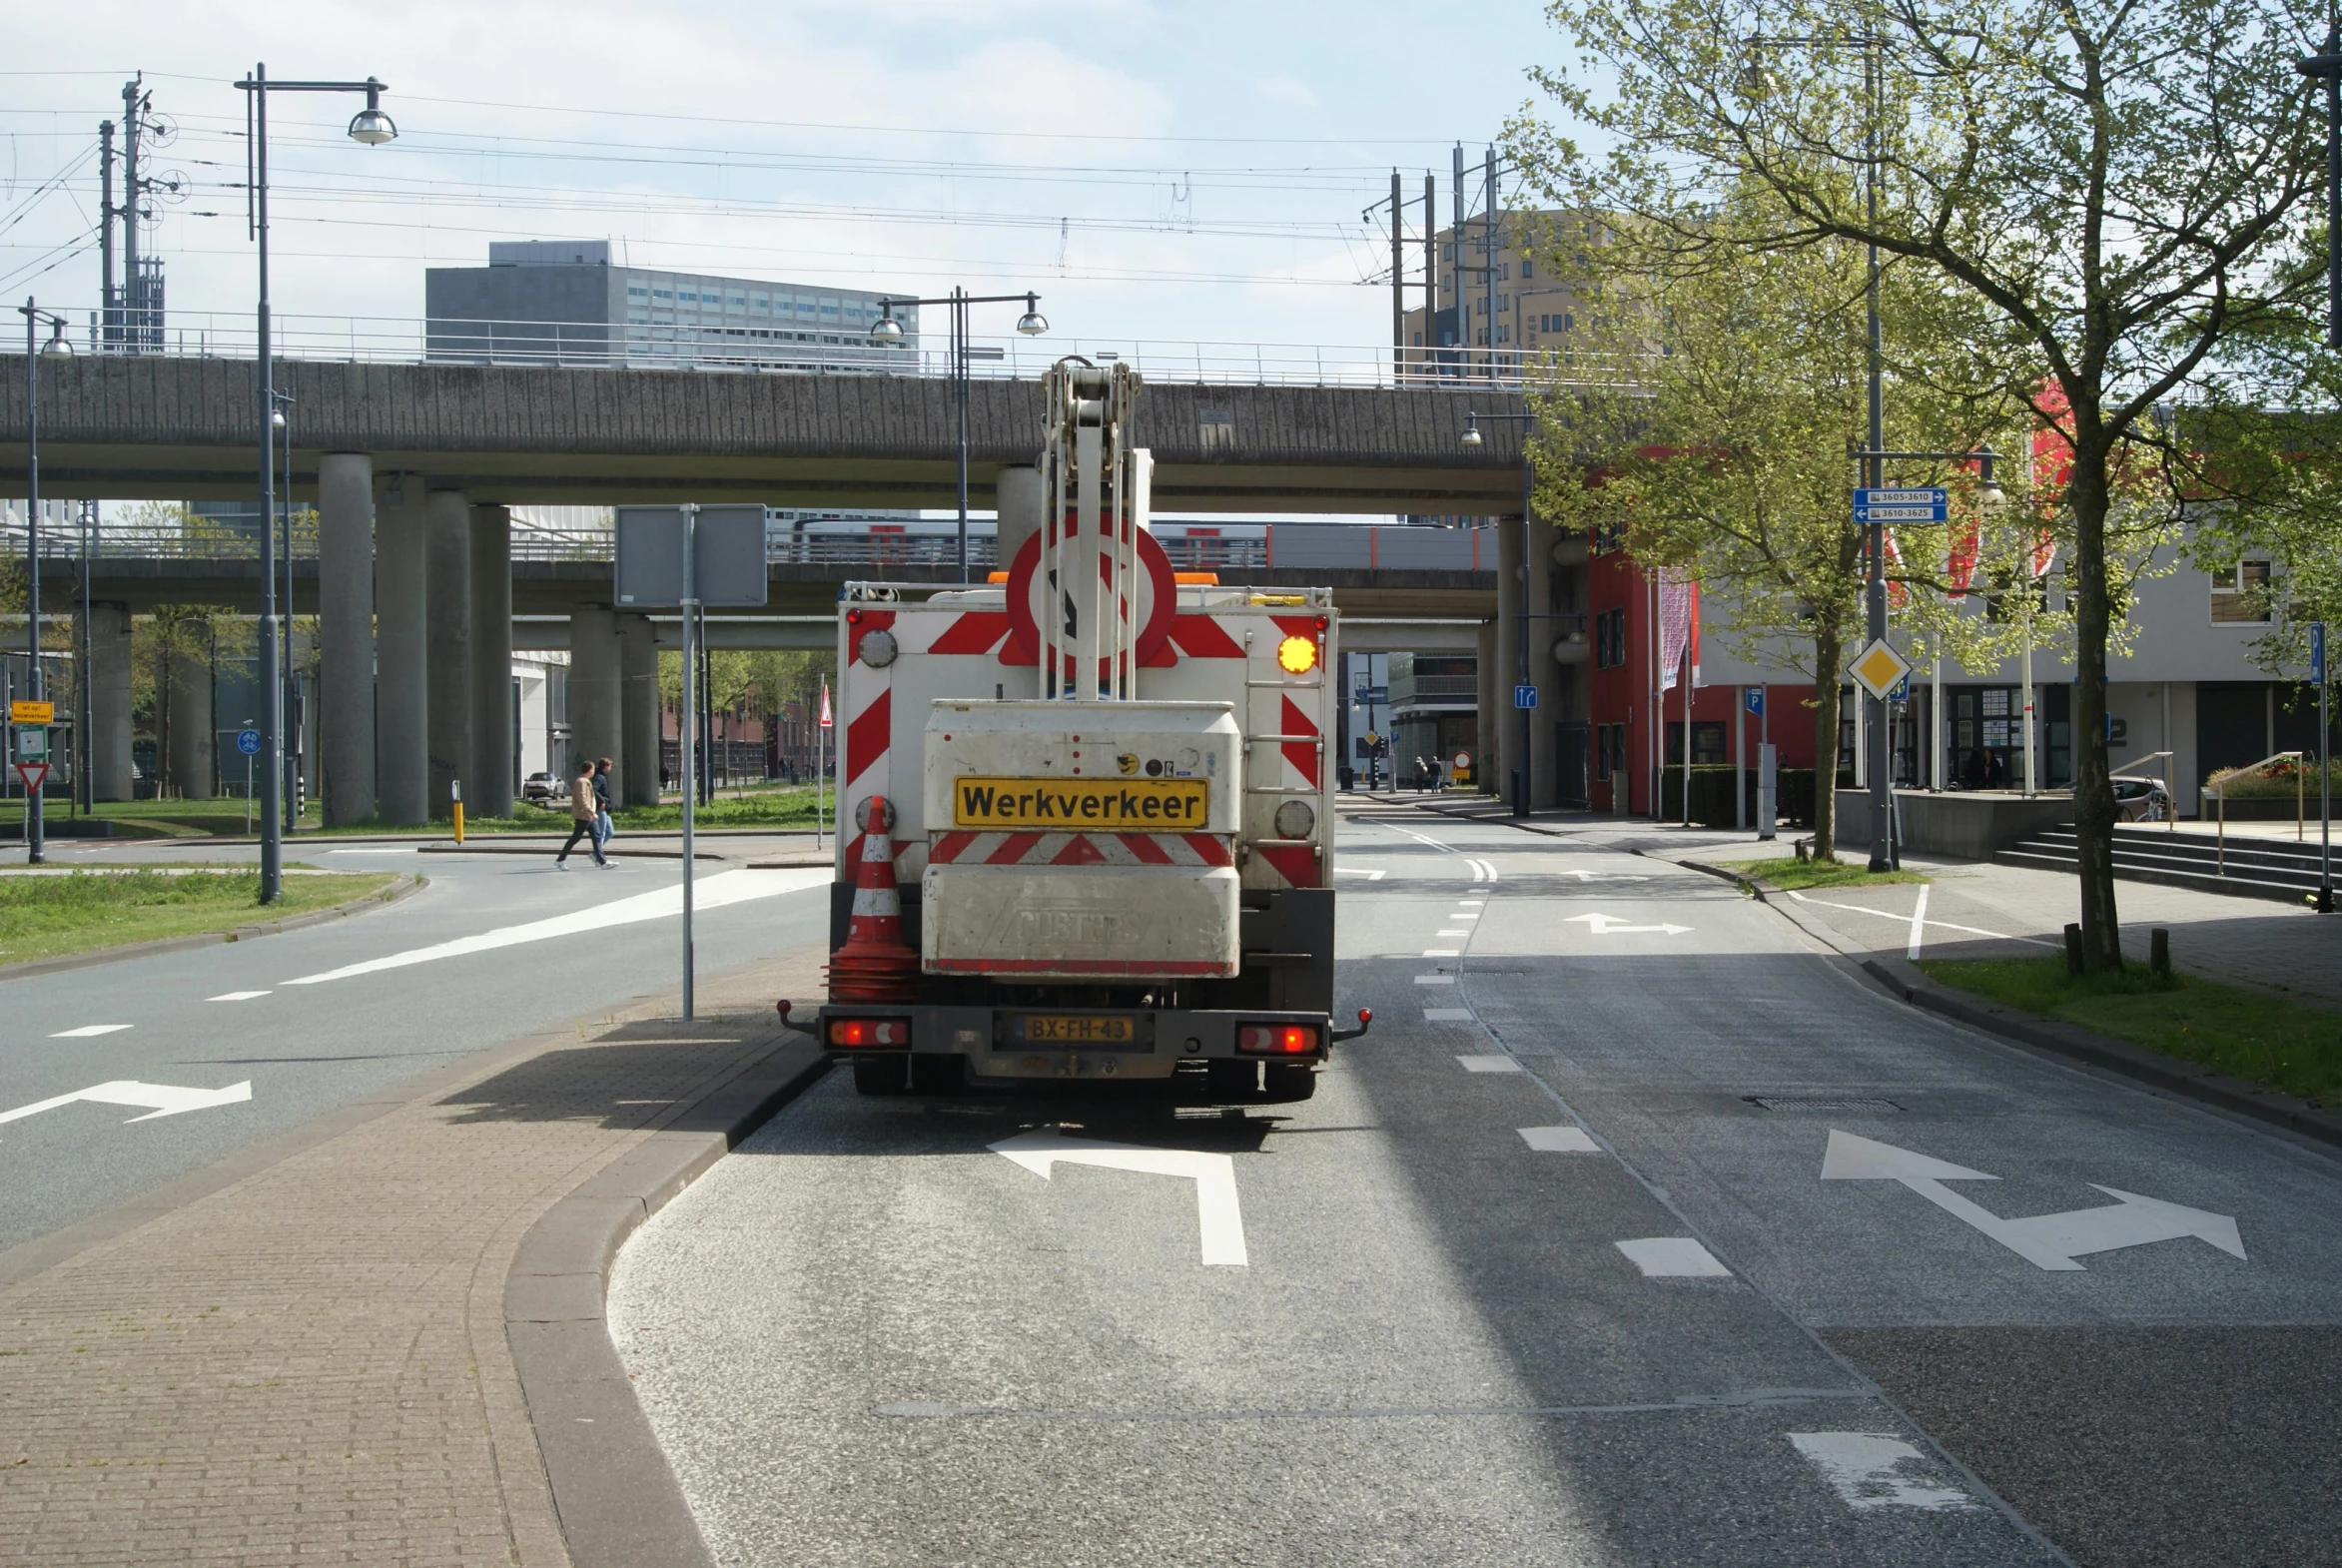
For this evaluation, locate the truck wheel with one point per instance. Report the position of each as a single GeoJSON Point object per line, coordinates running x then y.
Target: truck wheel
{"type": "Point", "coordinates": [933, 1072]}
{"type": "Point", "coordinates": [887, 1075]}
{"type": "Point", "coordinates": [1289, 1079]}
{"type": "Point", "coordinates": [1232, 1078]}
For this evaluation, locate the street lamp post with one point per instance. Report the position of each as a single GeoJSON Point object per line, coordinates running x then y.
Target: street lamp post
{"type": "Point", "coordinates": [369, 126]}
{"type": "Point", "coordinates": [58, 348]}
{"type": "Point", "coordinates": [280, 421]}
{"type": "Point", "coordinates": [2327, 68]}
{"type": "Point", "coordinates": [887, 331]}
{"type": "Point", "coordinates": [1472, 438]}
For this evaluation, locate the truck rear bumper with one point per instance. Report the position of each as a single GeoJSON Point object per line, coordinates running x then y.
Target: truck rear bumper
{"type": "Point", "coordinates": [986, 1038]}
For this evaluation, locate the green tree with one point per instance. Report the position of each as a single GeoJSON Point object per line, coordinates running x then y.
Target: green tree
{"type": "Point", "coordinates": [2105, 194]}
{"type": "Point", "coordinates": [1716, 445]}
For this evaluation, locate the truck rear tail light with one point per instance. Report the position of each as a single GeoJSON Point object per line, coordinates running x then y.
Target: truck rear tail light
{"type": "Point", "coordinates": [1276, 1040]}
{"type": "Point", "coordinates": [870, 1031]}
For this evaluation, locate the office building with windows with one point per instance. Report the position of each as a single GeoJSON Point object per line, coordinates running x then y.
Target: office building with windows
{"type": "Point", "coordinates": [548, 302]}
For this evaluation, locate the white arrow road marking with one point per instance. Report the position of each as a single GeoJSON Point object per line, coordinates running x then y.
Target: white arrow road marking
{"type": "Point", "coordinates": [1604, 875]}
{"type": "Point", "coordinates": [1353, 871]}
{"type": "Point", "coordinates": [1216, 1213]}
{"type": "Point", "coordinates": [1863, 1468]}
{"type": "Point", "coordinates": [1612, 925]}
{"type": "Point", "coordinates": [163, 1100]}
{"type": "Point", "coordinates": [236, 996]}
{"type": "Point", "coordinates": [88, 1031]}
{"type": "Point", "coordinates": [2050, 1241]}
{"type": "Point", "coordinates": [725, 886]}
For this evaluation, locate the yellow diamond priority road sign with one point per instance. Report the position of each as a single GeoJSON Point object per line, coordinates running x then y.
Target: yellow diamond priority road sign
{"type": "Point", "coordinates": [1879, 667]}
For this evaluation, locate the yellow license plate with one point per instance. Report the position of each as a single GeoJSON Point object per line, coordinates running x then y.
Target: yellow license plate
{"type": "Point", "coordinates": [1082, 805]}
{"type": "Point", "coordinates": [1076, 1028]}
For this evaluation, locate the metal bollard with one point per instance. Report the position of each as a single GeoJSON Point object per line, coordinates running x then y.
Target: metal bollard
{"type": "Point", "coordinates": [2073, 949]}
{"type": "Point", "coordinates": [2160, 952]}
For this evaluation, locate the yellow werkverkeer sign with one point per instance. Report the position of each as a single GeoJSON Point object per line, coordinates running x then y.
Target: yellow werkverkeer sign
{"type": "Point", "coordinates": [22, 712]}
{"type": "Point", "coordinates": [1079, 805]}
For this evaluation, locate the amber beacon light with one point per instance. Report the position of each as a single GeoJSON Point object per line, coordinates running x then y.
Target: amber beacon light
{"type": "Point", "coordinates": [1298, 655]}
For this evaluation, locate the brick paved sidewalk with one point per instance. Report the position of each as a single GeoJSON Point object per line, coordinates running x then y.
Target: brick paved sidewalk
{"type": "Point", "coordinates": [309, 1364]}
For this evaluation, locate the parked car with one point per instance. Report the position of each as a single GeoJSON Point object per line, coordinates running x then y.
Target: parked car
{"type": "Point", "coordinates": [544, 788]}
{"type": "Point", "coordinates": [2141, 800]}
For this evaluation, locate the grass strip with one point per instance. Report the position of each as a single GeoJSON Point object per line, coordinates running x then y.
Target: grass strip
{"type": "Point", "coordinates": [52, 917]}
{"type": "Point", "coordinates": [2241, 1033]}
{"type": "Point", "coordinates": [1790, 872]}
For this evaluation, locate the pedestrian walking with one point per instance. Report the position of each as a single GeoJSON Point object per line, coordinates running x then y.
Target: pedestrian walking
{"type": "Point", "coordinates": [603, 798]}
{"type": "Point", "coordinates": [584, 818]}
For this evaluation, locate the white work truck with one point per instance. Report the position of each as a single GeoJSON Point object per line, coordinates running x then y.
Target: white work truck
{"type": "Point", "coordinates": [1108, 793]}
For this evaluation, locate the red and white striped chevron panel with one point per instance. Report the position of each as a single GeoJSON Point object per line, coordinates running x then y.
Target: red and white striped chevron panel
{"type": "Point", "coordinates": [1079, 849]}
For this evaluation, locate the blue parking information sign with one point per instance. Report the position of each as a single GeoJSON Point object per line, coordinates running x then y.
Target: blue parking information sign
{"type": "Point", "coordinates": [1754, 697]}
{"type": "Point", "coordinates": [1524, 696]}
{"type": "Point", "coordinates": [1901, 506]}
{"type": "Point", "coordinates": [248, 741]}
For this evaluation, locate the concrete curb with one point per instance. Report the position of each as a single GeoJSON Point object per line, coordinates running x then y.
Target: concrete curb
{"type": "Point", "coordinates": [548, 851]}
{"type": "Point", "coordinates": [1908, 982]}
{"type": "Point", "coordinates": [406, 884]}
{"type": "Point", "coordinates": [614, 1493]}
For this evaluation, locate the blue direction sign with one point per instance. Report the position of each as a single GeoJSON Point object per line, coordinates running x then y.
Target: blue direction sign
{"type": "Point", "coordinates": [2317, 653]}
{"type": "Point", "coordinates": [248, 741]}
{"type": "Point", "coordinates": [1754, 698]}
{"type": "Point", "coordinates": [1899, 691]}
{"type": "Point", "coordinates": [1524, 696]}
{"type": "Point", "coordinates": [1905, 505]}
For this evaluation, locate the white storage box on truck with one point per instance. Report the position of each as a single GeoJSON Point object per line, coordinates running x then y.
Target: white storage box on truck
{"type": "Point", "coordinates": [1107, 796]}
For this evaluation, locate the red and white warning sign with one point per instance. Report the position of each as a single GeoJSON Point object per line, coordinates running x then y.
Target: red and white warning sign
{"type": "Point", "coordinates": [1139, 620]}
{"type": "Point", "coordinates": [34, 775]}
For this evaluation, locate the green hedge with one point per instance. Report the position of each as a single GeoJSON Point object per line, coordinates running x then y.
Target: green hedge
{"type": "Point", "coordinates": [1712, 795]}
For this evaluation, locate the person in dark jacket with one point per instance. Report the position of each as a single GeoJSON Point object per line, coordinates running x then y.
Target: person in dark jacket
{"type": "Point", "coordinates": [584, 818]}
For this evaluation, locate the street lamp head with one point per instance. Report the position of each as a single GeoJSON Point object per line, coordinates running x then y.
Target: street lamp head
{"type": "Point", "coordinates": [1472, 436]}
{"type": "Point", "coordinates": [369, 125]}
{"type": "Point", "coordinates": [275, 419]}
{"type": "Point", "coordinates": [885, 330]}
{"type": "Point", "coordinates": [57, 347]}
{"type": "Point", "coordinates": [1033, 324]}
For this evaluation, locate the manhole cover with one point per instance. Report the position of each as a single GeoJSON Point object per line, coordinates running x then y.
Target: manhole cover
{"type": "Point", "coordinates": [1848, 1102]}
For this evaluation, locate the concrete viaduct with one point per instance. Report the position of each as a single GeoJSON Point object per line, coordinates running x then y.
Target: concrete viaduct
{"type": "Point", "coordinates": [413, 468]}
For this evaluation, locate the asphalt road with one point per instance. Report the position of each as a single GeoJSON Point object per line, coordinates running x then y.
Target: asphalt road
{"type": "Point", "coordinates": [316, 1018]}
{"type": "Point", "coordinates": [870, 1338]}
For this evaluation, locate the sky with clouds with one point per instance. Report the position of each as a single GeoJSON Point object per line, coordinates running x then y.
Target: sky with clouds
{"type": "Point", "coordinates": [1158, 172]}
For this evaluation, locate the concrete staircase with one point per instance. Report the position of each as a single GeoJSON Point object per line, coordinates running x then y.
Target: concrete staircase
{"type": "Point", "coordinates": [2255, 867]}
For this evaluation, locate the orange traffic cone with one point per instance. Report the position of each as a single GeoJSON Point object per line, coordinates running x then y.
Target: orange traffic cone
{"type": "Point", "coordinates": [875, 965]}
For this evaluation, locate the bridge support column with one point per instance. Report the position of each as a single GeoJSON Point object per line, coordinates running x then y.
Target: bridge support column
{"type": "Point", "coordinates": [1017, 497]}
{"type": "Point", "coordinates": [1509, 670]}
{"type": "Point", "coordinates": [191, 738]}
{"type": "Point", "coordinates": [495, 720]}
{"type": "Point", "coordinates": [446, 570]}
{"type": "Point", "coordinates": [345, 724]}
{"type": "Point", "coordinates": [594, 675]}
{"type": "Point", "coordinates": [1552, 702]}
{"type": "Point", "coordinates": [402, 663]}
{"type": "Point", "coordinates": [638, 712]}
{"type": "Point", "coordinates": [1490, 750]}
{"type": "Point", "coordinates": [110, 769]}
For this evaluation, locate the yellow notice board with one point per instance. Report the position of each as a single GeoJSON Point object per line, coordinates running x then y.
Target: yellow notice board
{"type": "Point", "coordinates": [21, 712]}
{"type": "Point", "coordinates": [1119, 805]}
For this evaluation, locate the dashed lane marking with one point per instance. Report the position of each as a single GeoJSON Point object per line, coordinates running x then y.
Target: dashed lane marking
{"type": "Point", "coordinates": [1489, 1063]}
{"type": "Point", "coordinates": [1448, 1014]}
{"type": "Point", "coordinates": [1559, 1139]}
{"type": "Point", "coordinates": [236, 996]}
{"type": "Point", "coordinates": [88, 1030]}
{"type": "Point", "coordinates": [1443, 951]}
{"type": "Point", "coordinates": [1673, 1257]}
{"type": "Point", "coordinates": [1436, 979]}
